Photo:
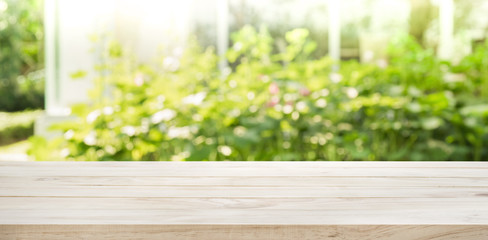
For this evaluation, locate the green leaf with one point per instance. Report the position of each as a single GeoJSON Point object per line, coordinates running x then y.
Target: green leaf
{"type": "Point", "coordinates": [78, 74]}
{"type": "Point", "coordinates": [478, 110]}
{"type": "Point", "coordinates": [432, 123]}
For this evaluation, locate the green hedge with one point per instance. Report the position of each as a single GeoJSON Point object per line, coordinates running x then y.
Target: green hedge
{"type": "Point", "coordinates": [279, 103]}
{"type": "Point", "coordinates": [17, 126]}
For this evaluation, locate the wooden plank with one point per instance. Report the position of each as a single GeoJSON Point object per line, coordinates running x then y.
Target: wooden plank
{"type": "Point", "coordinates": [255, 164]}
{"type": "Point", "coordinates": [244, 200]}
{"type": "Point", "coordinates": [236, 216]}
{"type": "Point", "coordinates": [245, 192]}
{"type": "Point", "coordinates": [243, 232]}
{"type": "Point", "coordinates": [160, 170]}
{"type": "Point", "coordinates": [291, 181]}
{"type": "Point", "coordinates": [141, 203]}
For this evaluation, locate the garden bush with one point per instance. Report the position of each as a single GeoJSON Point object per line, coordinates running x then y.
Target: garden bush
{"type": "Point", "coordinates": [278, 103]}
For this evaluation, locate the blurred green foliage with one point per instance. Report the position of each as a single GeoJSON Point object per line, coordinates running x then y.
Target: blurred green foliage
{"type": "Point", "coordinates": [279, 103]}
{"type": "Point", "coordinates": [21, 55]}
{"type": "Point", "coordinates": [17, 126]}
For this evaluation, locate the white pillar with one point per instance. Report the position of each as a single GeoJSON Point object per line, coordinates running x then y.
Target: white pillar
{"type": "Point", "coordinates": [222, 31]}
{"type": "Point", "coordinates": [446, 26]}
{"type": "Point", "coordinates": [335, 29]}
{"type": "Point", "coordinates": [51, 46]}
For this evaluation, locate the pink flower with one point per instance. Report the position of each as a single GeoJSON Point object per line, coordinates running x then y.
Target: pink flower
{"type": "Point", "coordinates": [273, 88]}
{"type": "Point", "coordinates": [139, 79]}
{"type": "Point", "coordinates": [273, 102]}
{"type": "Point", "coordinates": [304, 92]}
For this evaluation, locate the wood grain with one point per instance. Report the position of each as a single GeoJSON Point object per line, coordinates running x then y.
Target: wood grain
{"type": "Point", "coordinates": [243, 232]}
{"type": "Point", "coordinates": [243, 200]}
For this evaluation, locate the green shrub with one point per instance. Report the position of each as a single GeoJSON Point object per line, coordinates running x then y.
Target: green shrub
{"type": "Point", "coordinates": [279, 104]}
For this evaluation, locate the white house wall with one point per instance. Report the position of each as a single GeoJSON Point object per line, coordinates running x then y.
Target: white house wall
{"type": "Point", "coordinates": [141, 25]}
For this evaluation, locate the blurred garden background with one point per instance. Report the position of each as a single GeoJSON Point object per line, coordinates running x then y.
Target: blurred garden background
{"type": "Point", "coordinates": [244, 80]}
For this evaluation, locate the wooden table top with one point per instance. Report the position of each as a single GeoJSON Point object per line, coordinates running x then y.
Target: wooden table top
{"type": "Point", "coordinates": [244, 200]}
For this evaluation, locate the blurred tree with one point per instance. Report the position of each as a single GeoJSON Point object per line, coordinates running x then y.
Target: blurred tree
{"type": "Point", "coordinates": [21, 54]}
